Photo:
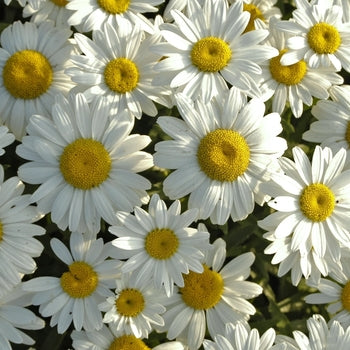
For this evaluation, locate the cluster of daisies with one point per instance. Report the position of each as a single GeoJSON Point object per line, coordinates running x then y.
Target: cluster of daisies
{"type": "Point", "coordinates": [135, 259]}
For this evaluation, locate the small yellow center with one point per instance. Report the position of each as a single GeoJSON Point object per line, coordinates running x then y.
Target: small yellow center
{"type": "Point", "coordinates": [161, 243]}
{"type": "Point", "coordinates": [347, 134]}
{"type": "Point", "coordinates": [114, 7]}
{"type": "Point", "coordinates": [210, 54]}
{"type": "Point", "coordinates": [223, 155]}
{"type": "Point", "coordinates": [121, 75]}
{"type": "Point", "coordinates": [1, 231]}
{"type": "Point", "coordinates": [80, 281]}
{"type": "Point", "coordinates": [85, 163]}
{"type": "Point", "coordinates": [128, 342]}
{"type": "Point", "coordinates": [130, 302]}
{"type": "Point", "coordinates": [288, 75]}
{"type": "Point", "coordinates": [255, 13]}
{"type": "Point", "coordinates": [60, 3]}
{"type": "Point", "coordinates": [202, 291]}
{"type": "Point", "coordinates": [323, 38]}
{"type": "Point", "coordinates": [345, 296]}
{"type": "Point", "coordinates": [317, 202]}
{"type": "Point", "coordinates": [27, 74]}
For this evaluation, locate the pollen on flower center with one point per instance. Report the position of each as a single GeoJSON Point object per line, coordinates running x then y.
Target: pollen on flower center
{"type": "Point", "coordinates": [114, 6]}
{"type": "Point", "coordinates": [317, 202]}
{"type": "Point", "coordinates": [345, 296]}
{"type": "Point", "coordinates": [128, 342]}
{"type": "Point", "coordinates": [27, 74]}
{"type": "Point", "coordinates": [202, 291]}
{"type": "Point", "coordinates": [161, 243]}
{"type": "Point", "coordinates": [85, 163]}
{"type": "Point", "coordinates": [288, 75]}
{"type": "Point", "coordinates": [60, 3]}
{"type": "Point", "coordinates": [80, 281]}
{"type": "Point", "coordinates": [323, 38]}
{"type": "Point", "coordinates": [223, 155]}
{"type": "Point", "coordinates": [255, 13]}
{"type": "Point", "coordinates": [130, 302]}
{"type": "Point", "coordinates": [121, 75]}
{"type": "Point", "coordinates": [347, 134]}
{"type": "Point", "coordinates": [210, 54]}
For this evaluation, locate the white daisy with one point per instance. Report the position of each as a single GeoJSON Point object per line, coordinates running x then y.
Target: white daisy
{"type": "Point", "coordinates": [212, 298]}
{"type": "Point", "coordinates": [18, 246]}
{"type": "Point", "coordinates": [296, 83]}
{"type": "Point", "coordinates": [311, 221]}
{"type": "Point", "coordinates": [118, 64]}
{"type": "Point", "coordinates": [85, 163]}
{"type": "Point", "coordinates": [320, 36]}
{"type": "Point", "coordinates": [76, 294]}
{"type": "Point", "coordinates": [34, 3]}
{"type": "Point", "coordinates": [6, 138]}
{"type": "Point", "coordinates": [221, 152]}
{"type": "Point", "coordinates": [345, 4]}
{"type": "Point", "coordinates": [14, 315]}
{"type": "Point", "coordinates": [208, 50]}
{"type": "Point", "coordinates": [159, 243]}
{"type": "Point", "coordinates": [32, 62]}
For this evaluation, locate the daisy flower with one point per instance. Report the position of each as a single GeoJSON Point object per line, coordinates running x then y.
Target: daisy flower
{"type": "Point", "coordinates": [297, 83]}
{"type": "Point", "coordinates": [320, 37]}
{"type": "Point", "coordinates": [118, 64]}
{"type": "Point", "coordinates": [159, 244]}
{"type": "Point", "coordinates": [18, 246]}
{"type": "Point", "coordinates": [6, 138]}
{"type": "Point", "coordinates": [14, 315]}
{"type": "Point", "coordinates": [311, 221]}
{"type": "Point", "coordinates": [212, 298]}
{"type": "Point", "coordinates": [34, 3]}
{"type": "Point", "coordinates": [109, 339]}
{"type": "Point", "coordinates": [76, 294]}
{"type": "Point", "coordinates": [32, 62]}
{"type": "Point", "coordinates": [222, 151]}
{"type": "Point", "coordinates": [208, 50]}
{"type": "Point", "coordinates": [85, 163]}
{"type": "Point", "coordinates": [332, 128]}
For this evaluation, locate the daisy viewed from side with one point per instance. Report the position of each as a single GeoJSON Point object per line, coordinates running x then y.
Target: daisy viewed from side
{"type": "Point", "coordinates": [75, 296]}
{"type": "Point", "coordinates": [221, 151]}
{"type": "Point", "coordinates": [85, 163]}
{"type": "Point", "coordinates": [32, 62]}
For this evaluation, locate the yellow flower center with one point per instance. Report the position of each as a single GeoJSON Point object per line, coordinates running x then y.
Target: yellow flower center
{"type": "Point", "coordinates": [223, 155]}
{"type": "Point", "coordinates": [80, 281]}
{"type": "Point", "coordinates": [114, 7]}
{"type": "Point", "coordinates": [317, 202]}
{"type": "Point", "coordinates": [121, 75]}
{"type": "Point", "coordinates": [202, 290]}
{"type": "Point", "coordinates": [345, 296]}
{"type": "Point", "coordinates": [324, 38]}
{"type": "Point", "coordinates": [27, 74]}
{"type": "Point", "coordinates": [210, 54]}
{"type": "Point", "coordinates": [130, 302]}
{"type": "Point", "coordinates": [85, 163]}
{"type": "Point", "coordinates": [288, 75]}
{"type": "Point", "coordinates": [128, 342]}
{"type": "Point", "coordinates": [60, 3]}
{"type": "Point", "coordinates": [1, 231]}
{"type": "Point", "coordinates": [161, 243]}
{"type": "Point", "coordinates": [255, 13]}
{"type": "Point", "coordinates": [347, 134]}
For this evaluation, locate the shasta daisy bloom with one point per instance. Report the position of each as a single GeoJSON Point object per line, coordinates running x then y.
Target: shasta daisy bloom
{"type": "Point", "coordinates": [74, 297]}
{"type": "Point", "coordinates": [6, 138]}
{"type": "Point", "coordinates": [118, 64]}
{"type": "Point", "coordinates": [320, 37]}
{"type": "Point", "coordinates": [212, 298]}
{"type": "Point", "coordinates": [221, 151]}
{"type": "Point", "coordinates": [311, 218]}
{"type": "Point", "coordinates": [85, 163]}
{"type": "Point", "coordinates": [208, 50]}
{"type": "Point", "coordinates": [159, 244]}
{"type": "Point", "coordinates": [32, 62]}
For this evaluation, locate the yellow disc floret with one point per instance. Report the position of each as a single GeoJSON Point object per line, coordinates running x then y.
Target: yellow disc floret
{"type": "Point", "coordinates": [161, 243]}
{"type": "Point", "coordinates": [80, 281]}
{"type": "Point", "coordinates": [347, 134]}
{"type": "Point", "coordinates": [223, 155]}
{"type": "Point", "coordinates": [85, 163]}
{"type": "Point", "coordinates": [114, 7]}
{"type": "Point", "coordinates": [128, 342]}
{"type": "Point", "coordinates": [130, 302]}
{"type": "Point", "coordinates": [210, 54]}
{"type": "Point", "coordinates": [27, 74]}
{"type": "Point", "coordinates": [317, 202]}
{"type": "Point", "coordinates": [60, 3]}
{"type": "Point", "coordinates": [202, 291]}
{"type": "Point", "coordinates": [324, 38]}
{"type": "Point", "coordinates": [345, 296]}
{"type": "Point", "coordinates": [255, 13]}
{"type": "Point", "coordinates": [121, 75]}
{"type": "Point", "coordinates": [288, 75]}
